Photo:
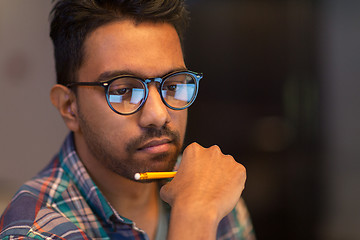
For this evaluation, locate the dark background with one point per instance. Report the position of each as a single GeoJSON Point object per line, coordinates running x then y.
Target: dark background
{"type": "Point", "coordinates": [261, 100]}
{"type": "Point", "coordinates": [280, 93]}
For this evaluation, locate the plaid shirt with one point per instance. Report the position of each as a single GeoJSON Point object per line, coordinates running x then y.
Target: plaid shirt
{"type": "Point", "coordinates": [62, 202]}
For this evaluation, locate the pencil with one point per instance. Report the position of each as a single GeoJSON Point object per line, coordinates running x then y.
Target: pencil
{"type": "Point", "coordinates": [154, 175]}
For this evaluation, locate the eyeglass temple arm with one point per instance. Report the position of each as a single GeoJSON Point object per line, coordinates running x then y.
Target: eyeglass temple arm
{"type": "Point", "coordinates": [87, 84]}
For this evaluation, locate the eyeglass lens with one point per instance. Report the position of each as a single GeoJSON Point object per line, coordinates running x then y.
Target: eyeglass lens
{"type": "Point", "coordinates": [126, 95]}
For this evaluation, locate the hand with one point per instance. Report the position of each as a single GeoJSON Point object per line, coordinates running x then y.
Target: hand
{"type": "Point", "coordinates": [208, 184]}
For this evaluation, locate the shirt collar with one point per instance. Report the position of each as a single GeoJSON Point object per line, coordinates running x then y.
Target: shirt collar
{"type": "Point", "coordinates": [72, 165]}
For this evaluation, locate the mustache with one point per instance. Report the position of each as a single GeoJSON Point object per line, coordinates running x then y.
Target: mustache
{"type": "Point", "coordinates": [150, 133]}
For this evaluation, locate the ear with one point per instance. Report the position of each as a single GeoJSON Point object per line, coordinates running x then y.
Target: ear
{"type": "Point", "coordinates": [65, 101]}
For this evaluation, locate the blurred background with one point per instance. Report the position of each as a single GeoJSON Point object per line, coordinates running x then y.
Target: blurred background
{"type": "Point", "coordinates": [280, 94]}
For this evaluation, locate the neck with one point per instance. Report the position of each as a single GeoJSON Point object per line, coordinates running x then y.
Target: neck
{"type": "Point", "coordinates": [134, 200]}
{"type": "Point", "coordinates": [129, 198]}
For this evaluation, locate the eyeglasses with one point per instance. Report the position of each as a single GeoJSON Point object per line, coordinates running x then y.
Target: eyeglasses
{"type": "Point", "coordinates": [126, 94]}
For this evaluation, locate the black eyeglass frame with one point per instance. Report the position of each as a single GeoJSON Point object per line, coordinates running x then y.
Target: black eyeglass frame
{"type": "Point", "coordinates": [106, 85]}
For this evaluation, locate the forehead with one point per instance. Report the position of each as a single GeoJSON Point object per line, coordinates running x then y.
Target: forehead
{"type": "Point", "coordinates": [148, 49]}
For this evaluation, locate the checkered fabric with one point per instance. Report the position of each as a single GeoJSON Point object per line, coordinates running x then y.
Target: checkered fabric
{"type": "Point", "coordinates": [62, 202]}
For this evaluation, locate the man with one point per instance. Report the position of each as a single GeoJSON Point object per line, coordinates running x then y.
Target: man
{"type": "Point", "coordinates": [123, 91]}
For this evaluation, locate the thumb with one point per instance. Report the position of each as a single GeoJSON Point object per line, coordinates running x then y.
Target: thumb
{"type": "Point", "coordinates": [165, 194]}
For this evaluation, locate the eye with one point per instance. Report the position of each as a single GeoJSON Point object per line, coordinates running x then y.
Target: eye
{"type": "Point", "coordinates": [171, 87]}
{"type": "Point", "coordinates": [119, 91]}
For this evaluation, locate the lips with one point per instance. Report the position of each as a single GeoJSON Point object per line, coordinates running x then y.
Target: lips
{"type": "Point", "coordinates": [155, 143]}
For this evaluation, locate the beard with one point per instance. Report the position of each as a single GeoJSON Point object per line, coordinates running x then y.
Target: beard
{"type": "Point", "coordinates": [122, 159]}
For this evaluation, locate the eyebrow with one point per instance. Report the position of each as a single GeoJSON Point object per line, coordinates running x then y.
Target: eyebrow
{"type": "Point", "coordinates": [112, 74]}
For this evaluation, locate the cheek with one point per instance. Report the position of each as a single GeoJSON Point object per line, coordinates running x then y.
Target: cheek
{"type": "Point", "coordinates": [180, 120]}
{"type": "Point", "coordinates": [184, 119]}
{"type": "Point", "coordinates": [94, 110]}
{"type": "Point", "coordinates": [100, 118]}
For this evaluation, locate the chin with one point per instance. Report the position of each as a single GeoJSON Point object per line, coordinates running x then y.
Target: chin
{"type": "Point", "coordinates": [163, 163]}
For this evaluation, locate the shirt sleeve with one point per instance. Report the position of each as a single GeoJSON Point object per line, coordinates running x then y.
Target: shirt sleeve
{"type": "Point", "coordinates": [236, 225]}
{"type": "Point", "coordinates": [244, 219]}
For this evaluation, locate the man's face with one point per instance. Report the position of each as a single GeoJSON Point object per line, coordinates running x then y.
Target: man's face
{"type": "Point", "coordinates": [151, 139]}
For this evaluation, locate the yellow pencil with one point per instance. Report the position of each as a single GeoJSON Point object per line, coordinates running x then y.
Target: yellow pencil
{"type": "Point", "coordinates": [154, 175]}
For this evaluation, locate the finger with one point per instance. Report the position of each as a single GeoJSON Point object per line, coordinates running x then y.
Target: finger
{"type": "Point", "coordinates": [165, 194]}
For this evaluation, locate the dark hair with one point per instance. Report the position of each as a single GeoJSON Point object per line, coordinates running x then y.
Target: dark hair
{"type": "Point", "coordinates": [73, 20]}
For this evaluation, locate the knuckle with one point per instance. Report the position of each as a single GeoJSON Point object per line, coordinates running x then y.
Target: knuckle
{"type": "Point", "coordinates": [229, 157]}
{"type": "Point", "coordinates": [193, 148]}
{"type": "Point", "coordinates": [240, 167]}
{"type": "Point", "coordinates": [194, 145]}
{"type": "Point", "coordinates": [242, 170]}
{"type": "Point", "coordinates": [215, 149]}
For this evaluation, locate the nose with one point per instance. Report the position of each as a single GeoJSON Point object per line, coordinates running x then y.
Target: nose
{"type": "Point", "coordinates": [154, 113]}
